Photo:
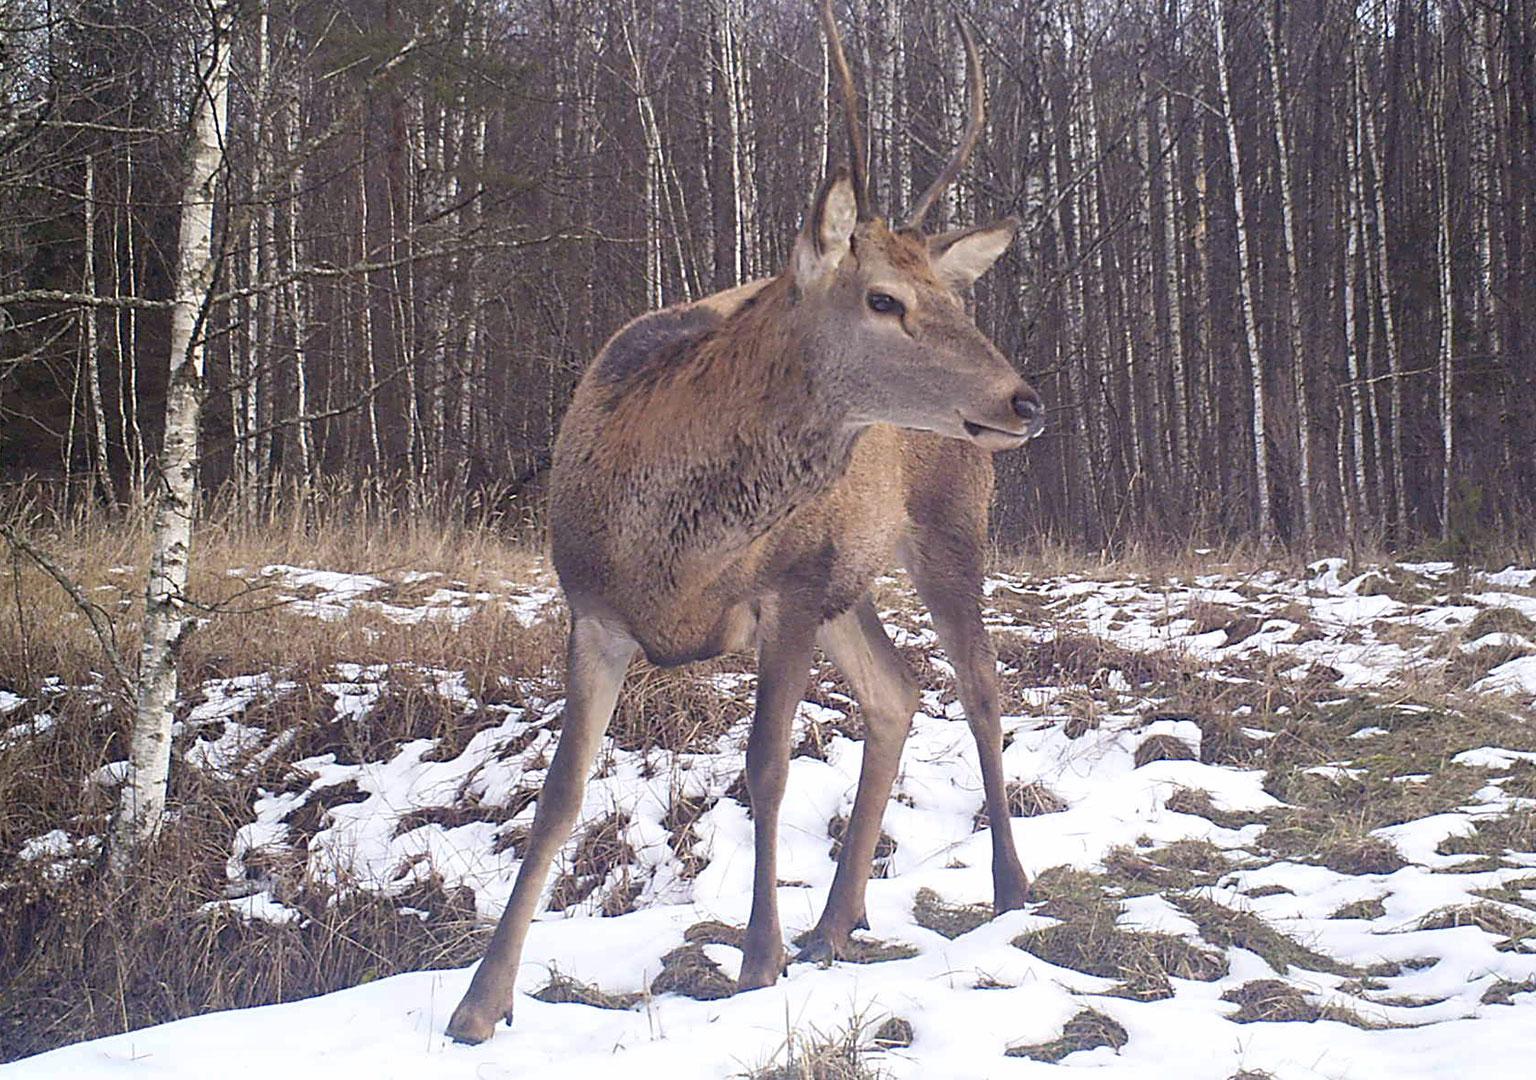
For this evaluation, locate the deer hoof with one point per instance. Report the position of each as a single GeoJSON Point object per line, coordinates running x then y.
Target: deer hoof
{"type": "Point", "coordinates": [1010, 895]}
{"type": "Point", "coordinates": [821, 947]}
{"type": "Point", "coordinates": [757, 976]}
{"type": "Point", "coordinates": [470, 1026]}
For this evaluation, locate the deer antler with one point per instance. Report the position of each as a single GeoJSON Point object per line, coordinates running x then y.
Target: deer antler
{"type": "Point", "coordinates": [968, 140]}
{"type": "Point", "coordinates": [857, 155]}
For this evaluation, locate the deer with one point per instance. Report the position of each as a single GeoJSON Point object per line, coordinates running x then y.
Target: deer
{"type": "Point", "coordinates": [736, 472]}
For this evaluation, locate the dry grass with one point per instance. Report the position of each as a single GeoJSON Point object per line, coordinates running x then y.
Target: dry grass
{"type": "Point", "coordinates": [932, 912]}
{"type": "Point", "coordinates": [1229, 928]}
{"type": "Point", "coordinates": [844, 1055]}
{"type": "Point", "coordinates": [1088, 1030]}
{"type": "Point", "coordinates": [562, 989]}
{"type": "Point", "coordinates": [1088, 940]}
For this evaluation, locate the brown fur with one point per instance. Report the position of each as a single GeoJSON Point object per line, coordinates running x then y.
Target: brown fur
{"type": "Point", "coordinates": [740, 470]}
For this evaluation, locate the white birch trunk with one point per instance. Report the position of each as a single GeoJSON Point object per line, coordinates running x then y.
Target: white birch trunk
{"type": "Point", "coordinates": [1356, 503]}
{"type": "Point", "coordinates": [298, 306]}
{"type": "Point", "coordinates": [1266, 523]}
{"type": "Point", "coordinates": [1174, 288]}
{"type": "Point", "coordinates": [1384, 297]}
{"type": "Point", "coordinates": [1443, 254]}
{"type": "Point", "coordinates": [92, 345]}
{"type": "Point", "coordinates": [141, 800]}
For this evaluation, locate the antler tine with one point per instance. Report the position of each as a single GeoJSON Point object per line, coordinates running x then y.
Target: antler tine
{"type": "Point", "coordinates": [857, 155]}
{"type": "Point", "coordinates": [968, 140]}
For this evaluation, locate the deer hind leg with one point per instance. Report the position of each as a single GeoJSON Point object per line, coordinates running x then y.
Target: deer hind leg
{"type": "Point", "coordinates": [887, 696]}
{"type": "Point", "coordinates": [598, 656]}
{"type": "Point", "coordinates": [947, 573]}
{"type": "Point", "coordinates": [785, 643]}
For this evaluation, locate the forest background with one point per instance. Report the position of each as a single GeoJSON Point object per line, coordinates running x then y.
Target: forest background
{"type": "Point", "coordinates": [1275, 279]}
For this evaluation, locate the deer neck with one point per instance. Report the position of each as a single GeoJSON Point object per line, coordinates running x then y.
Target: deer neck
{"type": "Point", "coordinates": [737, 435]}
{"type": "Point", "coordinates": [769, 439]}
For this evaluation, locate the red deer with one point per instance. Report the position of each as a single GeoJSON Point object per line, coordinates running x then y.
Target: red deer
{"type": "Point", "coordinates": [737, 471]}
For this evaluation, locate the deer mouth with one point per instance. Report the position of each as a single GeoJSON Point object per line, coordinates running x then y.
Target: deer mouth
{"type": "Point", "coordinates": [991, 438]}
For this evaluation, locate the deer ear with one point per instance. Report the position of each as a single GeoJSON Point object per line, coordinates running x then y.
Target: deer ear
{"type": "Point", "coordinates": [824, 240]}
{"type": "Point", "coordinates": [960, 257]}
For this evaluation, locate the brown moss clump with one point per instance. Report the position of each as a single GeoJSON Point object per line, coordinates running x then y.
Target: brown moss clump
{"type": "Point", "coordinates": [932, 912]}
{"type": "Point", "coordinates": [688, 970]}
{"type": "Point", "coordinates": [1197, 801]}
{"type": "Point", "coordinates": [1502, 991]}
{"type": "Point", "coordinates": [1270, 1000]}
{"type": "Point", "coordinates": [564, 990]}
{"type": "Point", "coordinates": [1163, 748]}
{"type": "Point", "coordinates": [1371, 908]}
{"type": "Point", "coordinates": [893, 1034]}
{"type": "Point", "coordinates": [1088, 1030]}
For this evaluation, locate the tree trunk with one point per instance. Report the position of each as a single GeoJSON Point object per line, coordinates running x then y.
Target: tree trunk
{"type": "Point", "coordinates": [1246, 275]}
{"type": "Point", "coordinates": [100, 465]}
{"type": "Point", "coordinates": [141, 800]}
{"type": "Point", "coordinates": [1274, 40]}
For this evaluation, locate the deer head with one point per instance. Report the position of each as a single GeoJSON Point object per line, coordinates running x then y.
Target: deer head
{"type": "Point", "coordinates": [885, 310]}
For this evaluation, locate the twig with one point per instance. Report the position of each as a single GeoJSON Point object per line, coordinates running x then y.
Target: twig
{"type": "Point", "coordinates": [101, 625]}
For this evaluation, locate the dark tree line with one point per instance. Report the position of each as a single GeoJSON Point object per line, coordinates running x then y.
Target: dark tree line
{"type": "Point", "coordinates": [1275, 278]}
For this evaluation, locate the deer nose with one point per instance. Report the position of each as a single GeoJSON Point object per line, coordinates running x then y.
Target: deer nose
{"type": "Point", "coordinates": [1028, 407]}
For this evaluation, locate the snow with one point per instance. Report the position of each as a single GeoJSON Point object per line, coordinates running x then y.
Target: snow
{"type": "Point", "coordinates": [1518, 677]}
{"type": "Point", "coordinates": [408, 820]}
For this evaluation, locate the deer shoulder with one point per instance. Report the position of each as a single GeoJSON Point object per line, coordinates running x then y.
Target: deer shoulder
{"type": "Point", "coordinates": [657, 339]}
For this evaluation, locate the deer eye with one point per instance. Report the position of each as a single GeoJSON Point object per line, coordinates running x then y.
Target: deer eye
{"type": "Point", "coordinates": [885, 304]}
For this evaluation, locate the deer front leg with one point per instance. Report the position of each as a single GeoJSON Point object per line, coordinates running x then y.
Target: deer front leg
{"type": "Point", "coordinates": [946, 565]}
{"type": "Point", "coordinates": [598, 656]}
{"type": "Point", "coordinates": [965, 639]}
{"type": "Point", "coordinates": [887, 696]}
{"type": "Point", "coordinates": [783, 667]}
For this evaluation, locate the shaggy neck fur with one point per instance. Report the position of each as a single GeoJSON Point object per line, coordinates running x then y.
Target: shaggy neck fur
{"type": "Point", "coordinates": [688, 457]}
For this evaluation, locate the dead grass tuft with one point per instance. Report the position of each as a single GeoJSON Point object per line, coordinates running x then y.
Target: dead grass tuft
{"type": "Point", "coordinates": [817, 1056]}
{"type": "Point", "coordinates": [1088, 940]}
{"type": "Point", "coordinates": [932, 912]}
{"type": "Point", "coordinates": [1503, 991]}
{"type": "Point", "coordinates": [676, 709]}
{"type": "Point", "coordinates": [1197, 801]}
{"type": "Point", "coordinates": [1497, 836]}
{"type": "Point", "coordinates": [1311, 836]}
{"type": "Point", "coordinates": [1069, 658]}
{"type": "Point", "coordinates": [1163, 748]}
{"type": "Point", "coordinates": [1229, 928]}
{"type": "Point", "coordinates": [1024, 800]}
{"type": "Point", "coordinates": [1270, 1000]}
{"type": "Point", "coordinates": [1499, 620]}
{"type": "Point", "coordinates": [564, 990]}
{"type": "Point", "coordinates": [1371, 908]}
{"type": "Point", "coordinates": [1490, 918]}
{"type": "Point", "coordinates": [1181, 865]}
{"type": "Point", "coordinates": [688, 970]}
{"type": "Point", "coordinates": [1088, 1030]}
{"type": "Point", "coordinates": [602, 851]}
